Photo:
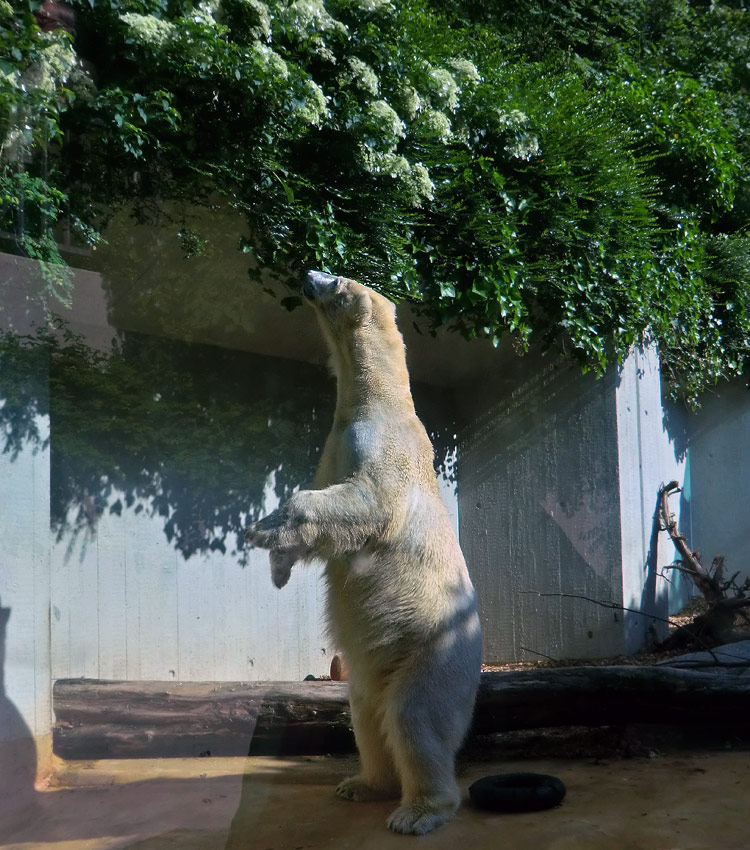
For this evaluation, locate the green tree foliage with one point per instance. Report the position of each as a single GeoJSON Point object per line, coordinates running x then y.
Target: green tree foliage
{"type": "Point", "coordinates": [559, 171]}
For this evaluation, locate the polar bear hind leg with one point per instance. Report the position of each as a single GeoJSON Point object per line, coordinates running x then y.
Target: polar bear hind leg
{"type": "Point", "coordinates": [426, 721]}
{"type": "Point", "coordinates": [377, 778]}
{"type": "Point", "coordinates": [425, 763]}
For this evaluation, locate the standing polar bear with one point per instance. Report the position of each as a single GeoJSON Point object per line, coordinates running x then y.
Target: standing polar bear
{"type": "Point", "coordinates": [400, 603]}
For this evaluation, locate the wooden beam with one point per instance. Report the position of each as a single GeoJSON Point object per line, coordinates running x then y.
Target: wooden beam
{"type": "Point", "coordinates": [100, 719]}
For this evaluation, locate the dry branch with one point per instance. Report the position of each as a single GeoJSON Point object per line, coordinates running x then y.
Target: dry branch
{"type": "Point", "coordinates": [707, 583]}
{"type": "Point", "coordinates": [715, 626]}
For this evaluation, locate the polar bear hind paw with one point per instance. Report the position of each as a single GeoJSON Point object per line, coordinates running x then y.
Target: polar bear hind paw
{"type": "Point", "coordinates": [419, 819]}
{"type": "Point", "coordinates": [355, 788]}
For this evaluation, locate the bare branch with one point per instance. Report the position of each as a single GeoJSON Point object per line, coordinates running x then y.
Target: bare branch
{"type": "Point", "coordinates": [694, 634]}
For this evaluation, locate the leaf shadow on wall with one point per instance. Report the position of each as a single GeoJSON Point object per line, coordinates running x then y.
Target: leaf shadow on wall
{"type": "Point", "coordinates": [190, 434]}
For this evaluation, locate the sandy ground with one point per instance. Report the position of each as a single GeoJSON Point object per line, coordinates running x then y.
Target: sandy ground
{"type": "Point", "coordinates": [673, 801]}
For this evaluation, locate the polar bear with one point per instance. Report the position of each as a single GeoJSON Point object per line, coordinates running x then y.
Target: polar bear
{"type": "Point", "coordinates": [400, 604]}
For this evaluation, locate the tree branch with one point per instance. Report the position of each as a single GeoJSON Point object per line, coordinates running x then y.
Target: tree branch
{"type": "Point", "coordinates": [705, 581]}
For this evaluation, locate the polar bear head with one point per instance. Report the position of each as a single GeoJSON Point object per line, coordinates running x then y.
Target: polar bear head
{"type": "Point", "coordinates": [343, 302]}
{"type": "Point", "coordinates": [360, 328]}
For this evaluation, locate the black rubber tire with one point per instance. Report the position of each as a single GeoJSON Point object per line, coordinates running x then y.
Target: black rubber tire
{"type": "Point", "coordinates": [517, 792]}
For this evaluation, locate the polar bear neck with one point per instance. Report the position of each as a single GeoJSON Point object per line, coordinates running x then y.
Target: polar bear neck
{"type": "Point", "coordinates": [370, 368]}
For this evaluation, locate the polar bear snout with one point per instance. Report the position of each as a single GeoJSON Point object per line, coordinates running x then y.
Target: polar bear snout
{"type": "Point", "coordinates": [319, 284]}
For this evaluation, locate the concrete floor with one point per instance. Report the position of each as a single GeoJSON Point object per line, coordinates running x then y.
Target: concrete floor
{"type": "Point", "coordinates": [677, 801]}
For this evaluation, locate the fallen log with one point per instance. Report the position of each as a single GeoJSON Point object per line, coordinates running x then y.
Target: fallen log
{"type": "Point", "coordinates": [606, 696]}
{"type": "Point", "coordinates": [103, 719]}
{"type": "Point", "coordinates": [107, 719]}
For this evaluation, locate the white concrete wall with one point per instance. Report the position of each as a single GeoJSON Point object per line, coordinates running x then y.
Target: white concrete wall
{"type": "Point", "coordinates": [719, 458]}
{"type": "Point", "coordinates": [127, 605]}
{"type": "Point", "coordinates": [648, 456]}
{"type": "Point", "coordinates": [537, 466]}
{"type": "Point", "coordinates": [137, 591]}
{"type": "Point", "coordinates": [558, 478]}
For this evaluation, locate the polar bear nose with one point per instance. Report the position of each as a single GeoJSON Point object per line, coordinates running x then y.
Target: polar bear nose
{"type": "Point", "coordinates": [317, 284]}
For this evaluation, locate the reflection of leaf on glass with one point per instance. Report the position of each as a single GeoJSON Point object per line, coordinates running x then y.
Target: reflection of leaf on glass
{"type": "Point", "coordinates": [193, 431]}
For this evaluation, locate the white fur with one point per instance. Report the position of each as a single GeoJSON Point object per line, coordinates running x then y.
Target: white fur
{"type": "Point", "coordinates": [401, 606]}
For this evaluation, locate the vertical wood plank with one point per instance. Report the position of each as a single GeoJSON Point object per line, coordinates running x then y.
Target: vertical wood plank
{"type": "Point", "coordinates": [75, 618]}
{"type": "Point", "coordinates": [194, 620]}
{"type": "Point", "coordinates": [82, 576]}
{"type": "Point", "coordinates": [112, 607]}
{"type": "Point", "coordinates": [60, 612]}
{"type": "Point", "coordinates": [155, 591]}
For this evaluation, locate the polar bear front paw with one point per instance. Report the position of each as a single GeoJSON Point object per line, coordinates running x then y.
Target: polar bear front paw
{"type": "Point", "coordinates": [355, 788]}
{"type": "Point", "coordinates": [266, 532]}
{"type": "Point", "coordinates": [419, 819]}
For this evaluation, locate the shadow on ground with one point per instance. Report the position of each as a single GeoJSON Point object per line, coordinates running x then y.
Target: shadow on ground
{"type": "Point", "coordinates": [676, 801]}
